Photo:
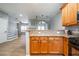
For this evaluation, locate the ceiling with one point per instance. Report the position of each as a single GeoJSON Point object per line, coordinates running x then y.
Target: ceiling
{"type": "Point", "coordinates": [30, 10]}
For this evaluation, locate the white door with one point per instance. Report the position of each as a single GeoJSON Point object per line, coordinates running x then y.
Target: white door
{"type": "Point", "coordinates": [3, 29]}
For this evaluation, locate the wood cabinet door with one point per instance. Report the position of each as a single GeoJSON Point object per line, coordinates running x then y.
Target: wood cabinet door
{"type": "Point", "coordinates": [34, 45]}
{"type": "Point", "coordinates": [50, 45]}
{"type": "Point", "coordinates": [55, 45]}
{"type": "Point", "coordinates": [72, 13]}
{"type": "Point", "coordinates": [58, 45]}
{"type": "Point", "coordinates": [65, 47]}
{"type": "Point", "coordinates": [78, 6]}
{"type": "Point", "coordinates": [44, 44]}
{"type": "Point", "coordinates": [64, 16]}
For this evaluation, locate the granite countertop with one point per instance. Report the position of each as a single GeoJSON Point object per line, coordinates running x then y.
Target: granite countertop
{"type": "Point", "coordinates": [48, 33]}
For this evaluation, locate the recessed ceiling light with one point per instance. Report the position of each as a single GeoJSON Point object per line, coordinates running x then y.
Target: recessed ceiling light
{"type": "Point", "coordinates": [20, 15]}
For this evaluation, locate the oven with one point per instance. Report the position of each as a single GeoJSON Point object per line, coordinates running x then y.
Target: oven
{"type": "Point", "coordinates": [73, 41]}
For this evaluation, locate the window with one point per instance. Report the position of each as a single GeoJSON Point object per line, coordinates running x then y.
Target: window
{"type": "Point", "coordinates": [24, 28]}
{"type": "Point", "coordinates": [42, 25]}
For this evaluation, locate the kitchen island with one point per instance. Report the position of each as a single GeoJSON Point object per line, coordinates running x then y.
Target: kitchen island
{"type": "Point", "coordinates": [48, 43]}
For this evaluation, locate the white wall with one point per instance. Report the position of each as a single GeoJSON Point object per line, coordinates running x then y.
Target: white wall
{"type": "Point", "coordinates": [12, 28]}
{"type": "Point", "coordinates": [56, 22]}
{"type": "Point", "coordinates": [8, 27]}
{"type": "Point", "coordinates": [3, 26]}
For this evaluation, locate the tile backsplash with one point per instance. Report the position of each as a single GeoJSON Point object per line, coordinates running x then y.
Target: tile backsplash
{"type": "Point", "coordinates": [72, 28]}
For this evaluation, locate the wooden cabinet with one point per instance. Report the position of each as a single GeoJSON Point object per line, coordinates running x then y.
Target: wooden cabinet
{"type": "Point", "coordinates": [72, 13]}
{"type": "Point", "coordinates": [55, 45]}
{"type": "Point", "coordinates": [34, 45]}
{"type": "Point", "coordinates": [64, 15]}
{"type": "Point", "coordinates": [65, 47]}
{"type": "Point", "coordinates": [78, 6]}
{"type": "Point", "coordinates": [69, 14]}
{"type": "Point", "coordinates": [44, 44]}
{"type": "Point", "coordinates": [50, 45]}
{"type": "Point", "coordinates": [58, 45]}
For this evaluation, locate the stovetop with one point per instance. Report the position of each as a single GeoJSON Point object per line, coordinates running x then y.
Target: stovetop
{"type": "Point", "coordinates": [73, 36]}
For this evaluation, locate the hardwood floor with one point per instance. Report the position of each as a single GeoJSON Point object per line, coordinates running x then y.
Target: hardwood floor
{"type": "Point", "coordinates": [12, 48]}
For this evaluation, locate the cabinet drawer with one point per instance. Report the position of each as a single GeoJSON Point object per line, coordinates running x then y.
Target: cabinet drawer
{"type": "Point", "coordinates": [34, 38]}
{"type": "Point", "coordinates": [59, 38]}
{"type": "Point", "coordinates": [51, 38]}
